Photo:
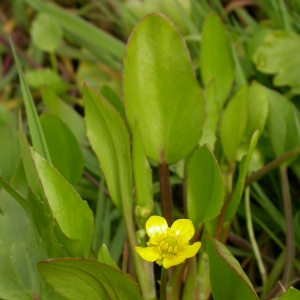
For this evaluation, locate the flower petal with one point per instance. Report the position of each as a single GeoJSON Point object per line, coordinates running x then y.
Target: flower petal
{"type": "Point", "coordinates": [170, 261]}
{"type": "Point", "coordinates": [147, 253]}
{"type": "Point", "coordinates": [156, 226]}
{"type": "Point", "coordinates": [184, 229]}
{"type": "Point", "coordinates": [191, 250]}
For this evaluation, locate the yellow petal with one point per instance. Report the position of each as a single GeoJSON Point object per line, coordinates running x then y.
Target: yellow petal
{"type": "Point", "coordinates": [184, 229]}
{"type": "Point", "coordinates": [169, 261]}
{"type": "Point", "coordinates": [156, 226]}
{"type": "Point", "coordinates": [191, 250]}
{"type": "Point", "coordinates": [147, 253]}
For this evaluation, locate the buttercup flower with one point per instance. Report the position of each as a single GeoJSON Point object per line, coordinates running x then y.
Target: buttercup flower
{"type": "Point", "coordinates": [168, 246]}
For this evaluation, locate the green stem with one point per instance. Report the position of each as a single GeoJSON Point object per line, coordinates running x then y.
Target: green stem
{"type": "Point", "coordinates": [253, 242]}
{"type": "Point", "coordinates": [290, 239]}
{"type": "Point", "coordinates": [166, 193]}
{"type": "Point", "coordinates": [163, 283]}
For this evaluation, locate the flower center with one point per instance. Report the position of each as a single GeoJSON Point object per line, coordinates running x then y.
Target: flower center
{"type": "Point", "coordinates": [169, 245]}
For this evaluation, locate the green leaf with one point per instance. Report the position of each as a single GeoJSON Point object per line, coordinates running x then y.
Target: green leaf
{"type": "Point", "coordinates": [233, 123]}
{"type": "Point", "coordinates": [81, 28]}
{"type": "Point", "coordinates": [291, 294]}
{"type": "Point", "coordinates": [258, 108]}
{"type": "Point", "coordinates": [63, 147]}
{"type": "Point", "coordinates": [212, 115]}
{"type": "Point", "coordinates": [45, 32]}
{"type": "Point", "coordinates": [65, 113]}
{"type": "Point", "coordinates": [109, 138]}
{"type": "Point", "coordinates": [162, 90]}
{"type": "Point", "coordinates": [142, 176]}
{"type": "Point", "coordinates": [77, 279]}
{"type": "Point", "coordinates": [204, 187]}
{"type": "Point", "coordinates": [228, 280]}
{"type": "Point", "coordinates": [104, 257]}
{"type": "Point", "coordinates": [282, 123]}
{"type": "Point", "coordinates": [277, 52]}
{"type": "Point", "coordinates": [243, 170]}
{"type": "Point", "coordinates": [10, 152]}
{"type": "Point", "coordinates": [21, 248]}
{"type": "Point", "coordinates": [37, 194]}
{"type": "Point", "coordinates": [36, 132]}
{"type": "Point", "coordinates": [46, 77]}
{"type": "Point", "coordinates": [72, 214]}
{"type": "Point", "coordinates": [216, 59]}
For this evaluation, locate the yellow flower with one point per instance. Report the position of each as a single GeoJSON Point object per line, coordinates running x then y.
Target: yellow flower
{"type": "Point", "coordinates": [168, 246]}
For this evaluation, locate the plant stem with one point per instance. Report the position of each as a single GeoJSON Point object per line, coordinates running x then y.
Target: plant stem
{"type": "Point", "coordinates": [272, 165]}
{"type": "Point", "coordinates": [166, 192]}
{"type": "Point", "coordinates": [290, 239]}
{"type": "Point", "coordinates": [258, 257]}
{"type": "Point", "coordinates": [163, 283]}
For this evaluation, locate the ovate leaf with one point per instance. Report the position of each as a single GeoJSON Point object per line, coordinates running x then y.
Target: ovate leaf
{"type": "Point", "coordinates": [45, 32]}
{"type": "Point", "coordinates": [216, 59]}
{"type": "Point", "coordinates": [205, 187]}
{"type": "Point", "coordinates": [78, 279]}
{"type": "Point", "coordinates": [162, 90]}
{"type": "Point", "coordinates": [104, 257]}
{"type": "Point", "coordinates": [233, 123]}
{"type": "Point", "coordinates": [228, 280]}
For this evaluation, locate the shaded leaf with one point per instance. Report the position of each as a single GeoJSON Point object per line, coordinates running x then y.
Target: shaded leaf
{"type": "Point", "coordinates": [63, 147]}
{"type": "Point", "coordinates": [85, 279]}
{"type": "Point", "coordinates": [104, 257]}
{"type": "Point", "coordinates": [228, 280]}
{"type": "Point", "coordinates": [233, 123]}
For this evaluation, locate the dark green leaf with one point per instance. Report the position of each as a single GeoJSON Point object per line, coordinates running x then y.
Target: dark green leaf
{"type": "Point", "coordinates": [228, 280]}
{"type": "Point", "coordinates": [78, 279]}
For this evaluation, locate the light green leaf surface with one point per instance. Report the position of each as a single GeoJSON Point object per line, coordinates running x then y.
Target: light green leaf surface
{"type": "Point", "coordinates": [142, 176]}
{"type": "Point", "coordinates": [243, 171]}
{"type": "Point", "coordinates": [10, 152]}
{"type": "Point", "coordinates": [233, 123]}
{"type": "Point", "coordinates": [66, 113]}
{"type": "Point", "coordinates": [282, 123]}
{"type": "Point", "coordinates": [72, 214]}
{"type": "Point", "coordinates": [204, 187]}
{"type": "Point", "coordinates": [46, 77]}
{"type": "Point", "coordinates": [216, 59]}
{"type": "Point", "coordinates": [161, 89]}
{"type": "Point", "coordinates": [228, 280]}
{"type": "Point", "coordinates": [21, 249]}
{"type": "Point", "coordinates": [258, 108]}
{"type": "Point", "coordinates": [291, 294]}
{"type": "Point", "coordinates": [36, 132]}
{"type": "Point", "coordinates": [108, 136]}
{"type": "Point", "coordinates": [79, 27]}
{"type": "Point", "coordinates": [63, 147]}
{"type": "Point", "coordinates": [277, 52]}
{"type": "Point", "coordinates": [212, 115]}
{"type": "Point", "coordinates": [105, 258]}
{"type": "Point", "coordinates": [77, 279]}
{"type": "Point", "coordinates": [45, 32]}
